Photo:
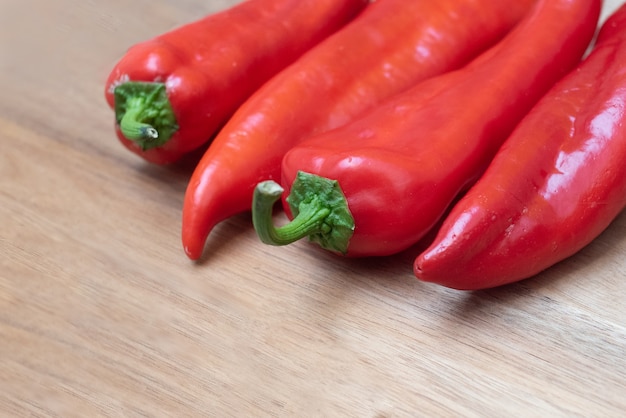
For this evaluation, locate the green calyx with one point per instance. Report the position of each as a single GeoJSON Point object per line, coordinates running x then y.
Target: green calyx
{"type": "Point", "coordinates": [319, 208]}
{"type": "Point", "coordinates": [144, 113]}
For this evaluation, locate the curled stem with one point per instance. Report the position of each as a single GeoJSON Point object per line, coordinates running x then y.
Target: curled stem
{"type": "Point", "coordinates": [135, 130]}
{"type": "Point", "coordinates": [310, 219]}
{"type": "Point", "coordinates": [319, 208]}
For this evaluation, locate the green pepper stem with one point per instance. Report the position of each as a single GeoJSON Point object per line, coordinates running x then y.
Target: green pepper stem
{"type": "Point", "coordinates": [309, 220]}
{"type": "Point", "coordinates": [144, 113]}
{"type": "Point", "coordinates": [132, 128]}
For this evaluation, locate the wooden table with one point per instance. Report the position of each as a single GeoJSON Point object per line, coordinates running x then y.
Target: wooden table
{"type": "Point", "coordinates": [101, 313]}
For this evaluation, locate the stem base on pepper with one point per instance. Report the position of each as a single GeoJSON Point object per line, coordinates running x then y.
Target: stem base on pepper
{"type": "Point", "coordinates": [144, 113]}
{"type": "Point", "coordinates": [319, 208]}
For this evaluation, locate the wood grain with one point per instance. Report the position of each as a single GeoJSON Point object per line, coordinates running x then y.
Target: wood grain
{"type": "Point", "coordinates": [101, 313]}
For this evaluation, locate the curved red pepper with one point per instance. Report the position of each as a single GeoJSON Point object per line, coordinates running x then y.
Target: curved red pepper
{"type": "Point", "coordinates": [390, 46]}
{"type": "Point", "coordinates": [555, 185]}
{"type": "Point", "coordinates": [172, 93]}
{"type": "Point", "coordinates": [401, 165]}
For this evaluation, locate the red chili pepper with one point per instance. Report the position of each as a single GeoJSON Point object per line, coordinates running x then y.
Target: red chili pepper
{"type": "Point", "coordinates": [390, 46]}
{"type": "Point", "coordinates": [393, 172]}
{"type": "Point", "coordinates": [554, 186]}
{"type": "Point", "coordinates": [172, 93]}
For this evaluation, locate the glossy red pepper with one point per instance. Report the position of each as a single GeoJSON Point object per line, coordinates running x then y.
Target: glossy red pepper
{"type": "Point", "coordinates": [397, 168]}
{"type": "Point", "coordinates": [555, 185]}
{"type": "Point", "coordinates": [390, 46]}
{"type": "Point", "coordinates": [172, 93]}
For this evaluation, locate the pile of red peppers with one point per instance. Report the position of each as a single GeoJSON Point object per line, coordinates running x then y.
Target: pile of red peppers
{"type": "Point", "coordinates": [497, 127]}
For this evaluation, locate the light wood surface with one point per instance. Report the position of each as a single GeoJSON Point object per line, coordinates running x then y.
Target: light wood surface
{"type": "Point", "coordinates": [101, 313]}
